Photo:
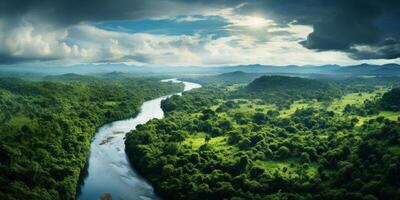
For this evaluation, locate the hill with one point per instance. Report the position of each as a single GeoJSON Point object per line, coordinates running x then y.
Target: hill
{"type": "Point", "coordinates": [230, 77]}
{"type": "Point", "coordinates": [273, 83]}
{"type": "Point", "coordinates": [238, 76]}
{"type": "Point", "coordinates": [391, 69]}
{"type": "Point", "coordinates": [283, 90]}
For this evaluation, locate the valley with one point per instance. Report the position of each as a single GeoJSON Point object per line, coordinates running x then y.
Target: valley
{"type": "Point", "coordinates": [274, 137]}
{"type": "Point", "coordinates": [199, 100]}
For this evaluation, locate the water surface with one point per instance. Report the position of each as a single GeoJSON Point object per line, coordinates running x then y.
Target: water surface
{"type": "Point", "coordinates": [109, 170]}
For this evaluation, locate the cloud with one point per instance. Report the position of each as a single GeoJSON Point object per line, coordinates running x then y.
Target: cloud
{"type": "Point", "coordinates": [27, 42]}
{"type": "Point", "coordinates": [40, 30]}
{"type": "Point", "coordinates": [358, 28]}
{"type": "Point", "coordinates": [143, 48]}
{"type": "Point", "coordinates": [387, 49]}
{"type": "Point", "coordinates": [259, 31]}
{"type": "Point", "coordinates": [189, 19]}
{"type": "Point", "coordinates": [110, 46]}
{"type": "Point", "coordinates": [87, 43]}
{"type": "Point", "coordinates": [338, 25]}
{"type": "Point", "coordinates": [70, 12]}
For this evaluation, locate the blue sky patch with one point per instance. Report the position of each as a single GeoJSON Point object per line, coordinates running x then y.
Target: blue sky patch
{"type": "Point", "coordinates": [181, 25]}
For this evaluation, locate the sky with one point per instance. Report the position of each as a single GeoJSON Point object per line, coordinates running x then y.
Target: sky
{"type": "Point", "coordinates": [200, 32]}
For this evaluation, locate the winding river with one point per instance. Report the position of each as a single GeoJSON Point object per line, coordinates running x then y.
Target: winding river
{"type": "Point", "coordinates": [109, 171]}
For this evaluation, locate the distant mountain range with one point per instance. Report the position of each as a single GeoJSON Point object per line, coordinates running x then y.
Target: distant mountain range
{"type": "Point", "coordinates": [354, 70]}
{"type": "Point", "coordinates": [366, 69]}
{"type": "Point", "coordinates": [362, 69]}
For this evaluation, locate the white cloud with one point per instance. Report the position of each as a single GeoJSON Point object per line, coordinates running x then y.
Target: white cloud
{"type": "Point", "coordinates": [137, 47]}
{"type": "Point", "coordinates": [28, 42]}
{"type": "Point", "coordinates": [189, 19]}
{"type": "Point", "coordinates": [86, 43]}
{"type": "Point", "coordinates": [251, 39]}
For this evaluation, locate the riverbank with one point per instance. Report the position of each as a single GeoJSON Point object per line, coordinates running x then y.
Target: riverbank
{"type": "Point", "coordinates": [109, 170]}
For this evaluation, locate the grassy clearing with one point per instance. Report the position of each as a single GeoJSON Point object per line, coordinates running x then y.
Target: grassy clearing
{"type": "Point", "coordinates": [390, 115]}
{"type": "Point", "coordinates": [253, 106]}
{"type": "Point", "coordinates": [235, 87]}
{"type": "Point", "coordinates": [300, 105]}
{"type": "Point", "coordinates": [247, 107]}
{"type": "Point", "coordinates": [110, 103]}
{"type": "Point", "coordinates": [250, 107]}
{"type": "Point", "coordinates": [350, 99]}
{"type": "Point", "coordinates": [358, 99]}
{"type": "Point", "coordinates": [394, 116]}
{"type": "Point", "coordinates": [296, 105]}
{"type": "Point", "coordinates": [198, 139]}
{"type": "Point", "coordinates": [354, 99]}
{"type": "Point", "coordinates": [287, 169]}
{"type": "Point", "coordinates": [18, 121]}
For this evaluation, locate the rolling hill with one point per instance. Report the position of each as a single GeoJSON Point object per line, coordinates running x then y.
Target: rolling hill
{"type": "Point", "coordinates": [274, 83]}
{"type": "Point", "coordinates": [285, 89]}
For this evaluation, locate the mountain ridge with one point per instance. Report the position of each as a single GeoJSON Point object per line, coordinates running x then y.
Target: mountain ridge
{"type": "Point", "coordinates": [390, 69]}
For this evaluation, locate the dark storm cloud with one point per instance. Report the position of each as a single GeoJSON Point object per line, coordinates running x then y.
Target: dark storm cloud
{"type": "Point", "coordinates": [342, 25]}
{"type": "Point", "coordinates": [339, 25]}
{"type": "Point", "coordinates": [66, 12]}
{"type": "Point", "coordinates": [7, 59]}
{"type": "Point", "coordinates": [387, 49]}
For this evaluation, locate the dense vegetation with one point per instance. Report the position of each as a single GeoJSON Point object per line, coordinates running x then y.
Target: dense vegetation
{"type": "Point", "coordinates": [46, 128]}
{"type": "Point", "coordinates": [283, 91]}
{"type": "Point", "coordinates": [391, 100]}
{"type": "Point", "coordinates": [227, 78]}
{"type": "Point", "coordinates": [216, 144]}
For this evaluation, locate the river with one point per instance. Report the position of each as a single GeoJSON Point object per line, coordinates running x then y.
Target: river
{"type": "Point", "coordinates": [109, 170]}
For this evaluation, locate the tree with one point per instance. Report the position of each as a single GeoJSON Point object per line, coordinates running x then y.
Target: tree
{"type": "Point", "coordinates": [168, 170]}
{"type": "Point", "coordinates": [242, 163]}
{"type": "Point", "coordinates": [234, 137]}
{"type": "Point", "coordinates": [259, 118]}
{"type": "Point", "coordinates": [256, 171]}
{"type": "Point", "coordinates": [207, 139]}
{"type": "Point", "coordinates": [305, 157]}
{"type": "Point", "coordinates": [283, 152]}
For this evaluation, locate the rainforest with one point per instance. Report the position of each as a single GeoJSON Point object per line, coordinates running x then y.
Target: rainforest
{"type": "Point", "coordinates": [274, 138]}
{"type": "Point", "coordinates": [199, 100]}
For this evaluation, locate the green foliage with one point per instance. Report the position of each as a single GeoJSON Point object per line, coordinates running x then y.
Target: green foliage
{"type": "Point", "coordinates": [283, 91]}
{"type": "Point", "coordinates": [273, 83]}
{"type": "Point", "coordinates": [46, 128]}
{"type": "Point", "coordinates": [391, 100]}
{"type": "Point", "coordinates": [227, 78]}
{"type": "Point", "coordinates": [197, 100]}
{"type": "Point", "coordinates": [243, 149]}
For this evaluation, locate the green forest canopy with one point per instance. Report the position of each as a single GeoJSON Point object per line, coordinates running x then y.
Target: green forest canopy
{"type": "Point", "coordinates": [46, 128]}
{"type": "Point", "coordinates": [216, 144]}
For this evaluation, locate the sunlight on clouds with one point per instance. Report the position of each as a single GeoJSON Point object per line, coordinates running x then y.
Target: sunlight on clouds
{"type": "Point", "coordinates": [138, 47]}
{"type": "Point", "coordinates": [177, 34]}
{"type": "Point", "coordinates": [239, 21]}
{"type": "Point", "coordinates": [91, 44]}
{"type": "Point", "coordinates": [275, 52]}
{"type": "Point", "coordinates": [189, 19]}
{"type": "Point", "coordinates": [252, 22]}
{"type": "Point", "coordinates": [249, 39]}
